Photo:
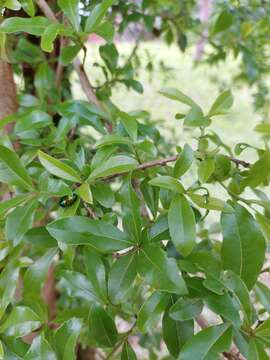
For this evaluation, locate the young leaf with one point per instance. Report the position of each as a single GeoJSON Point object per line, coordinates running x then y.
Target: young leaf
{"type": "Point", "coordinates": [210, 203]}
{"type": "Point", "coordinates": [48, 37]}
{"type": "Point", "coordinates": [40, 349]}
{"type": "Point", "coordinates": [70, 9]}
{"type": "Point", "coordinates": [58, 168]}
{"type": "Point", "coordinates": [34, 26]}
{"type": "Point", "coordinates": [264, 224]}
{"type": "Point", "coordinates": [98, 234]}
{"type": "Point", "coordinates": [112, 139]}
{"type": "Point", "coordinates": [222, 104]}
{"type": "Point", "coordinates": [168, 182]}
{"type": "Point", "coordinates": [121, 277]}
{"type": "Point", "coordinates": [184, 161]}
{"type": "Point", "coordinates": [201, 345]}
{"type": "Point", "coordinates": [28, 7]}
{"type": "Point", "coordinates": [206, 169]}
{"type": "Point", "coordinates": [195, 117]}
{"type": "Point", "coordinates": [182, 225]}
{"type": "Point", "coordinates": [102, 327]}
{"type": "Point", "coordinates": [85, 193]}
{"type": "Point", "coordinates": [256, 351]}
{"type": "Point", "coordinates": [115, 164]}
{"type": "Point", "coordinates": [97, 15]}
{"type": "Point", "coordinates": [68, 53]}
{"type": "Point", "coordinates": [13, 164]}
{"type": "Point", "coordinates": [177, 95]}
{"type": "Point", "coordinates": [243, 247]}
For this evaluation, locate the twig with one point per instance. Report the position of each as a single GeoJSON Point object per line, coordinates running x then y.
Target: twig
{"type": "Point", "coordinates": [85, 82]}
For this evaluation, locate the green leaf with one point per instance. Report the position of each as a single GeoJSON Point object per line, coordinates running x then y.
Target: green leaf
{"type": "Point", "coordinates": [13, 202]}
{"type": "Point", "coordinates": [40, 349]}
{"type": "Point", "coordinates": [11, 161]}
{"type": "Point", "coordinates": [34, 26]}
{"type": "Point", "coordinates": [256, 351]}
{"type": "Point", "coordinates": [224, 306]}
{"type": "Point", "coordinates": [186, 309]}
{"type": "Point", "coordinates": [112, 139]}
{"type": "Point", "coordinates": [263, 329]}
{"type": "Point", "coordinates": [264, 224]}
{"type": "Point", "coordinates": [243, 247]}
{"type": "Point", "coordinates": [151, 311]}
{"type": "Point", "coordinates": [77, 285]}
{"type": "Point", "coordinates": [263, 295]}
{"type": "Point", "coordinates": [177, 95]}
{"type": "Point", "coordinates": [85, 193]}
{"type": "Point", "coordinates": [127, 352]}
{"type": "Point", "coordinates": [264, 129]}
{"type": "Point", "coordinates": [48, 37]}
{"type": "Point", "coordinates": [121, 277]}
{"type": "Point", "coordinates": [206, 169]}
{"type": "Point", "coordinates": [70, 9]}
{"type": "Point", "coordinates": [184, 161]}
{"type": "Point", "coordinates": [222, 104]}
{"type": "Point", "coordinates": [98, 234]}
{"type": "Point", "coordinates": [182, 225]}
{"type": "Point", "coordinates": [195, 117]}
{"type": "Point", "coordinates": [36, 119]}
{"type": "Point", "coordinates": [240, 291]}
{"type": "Point", "coordinates": [102, 327]}
{"type": "Point", "coordinates": [160, 271]}
{"type": "Point", "coordinates": [21, 321]}
{"type": "Point", "coordinates": [68, 53]}
{"type": "Point", "coordinates": [65, 339]}
{"type": "Point", "coordinates": [210, 203]}
{"type": "Point", "coordinates": [19, 221]}
{"type": "Point", "coordinates": [224, 21]}
{"type": "Point", "coordinates": [28, 7]}
{"type": "Point", "coordinates": [103, 194]}
{"type": "Point", "coordinates": [95, 271]}
{"type": "Point", "coordinates": [168, 182]}
{"type": "Point", "coordinates": [97, 15]}
{"type": "Point", "coordinates": [58, 168]}
{"type": "Point", "coordinates": [160, 229]}
{"type": "Point", "coordinates": [130, 124]}
{"type": "Point", "coordinates": [115, 164]}
{"type": "Point", "coordinates": [201, 345]}
{"type": "Point", "coordinates": [175, 333]}
{"type": "Point", "coordinates": [8, 283]}
{"type": "Point", "coordinates": [1, 351]}
{"type": "Point", "coordinates": [36, 274]}
{"type": "Point", "coordinates": [259, 171]}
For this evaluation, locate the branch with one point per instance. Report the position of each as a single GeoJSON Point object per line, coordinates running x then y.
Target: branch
{"type": "Point", "coordinates": [85, 82]}
{"type": "Point", "coordinates": [165, 161]}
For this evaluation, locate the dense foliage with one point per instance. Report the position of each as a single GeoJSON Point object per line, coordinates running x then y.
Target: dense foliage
{"type": "Point", "coordinates": [111, 247]}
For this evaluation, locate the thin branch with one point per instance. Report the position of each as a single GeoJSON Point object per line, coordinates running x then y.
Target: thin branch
{"type": "Point", "coordinates": [45, 8]}
{"type": "Point", "coordinates": [84, 80]}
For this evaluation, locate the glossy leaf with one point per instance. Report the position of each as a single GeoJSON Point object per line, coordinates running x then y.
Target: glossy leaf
{"type": "Point", "coordinates": [102, 327]}
{"type": "Point", "coordinates": [114, 165]}
{"type": "Point", "coordinates": [98, 234]}
{"type": "Point", "coordinates": [121, 277]}
{"type": "Point", "coordinates": [182, 225]}
{"type": "Point", "coordinates": [186, 309]}
{"type": "Point", "coordinates": [158, 270]}
{"type": "Point", "coordinates": [34, 26]}
{"type": "Point", "coordinates": [243, 247]}
{"type": "Point", "coordinates": [70, 9]}
{"type": "Point", "coordinates": [13, 164]}
{"type": "Point", "coordinates": [168, 182]}
{"type": "Point", "coordinates": [200, 345]}
{"type": "Point", "coordinates": [58, 168]}
{"type": "Point", "coordinates": [184, 161]}
{"type": "Point", "coordinates": [177, 95]}
{"type": "Point", "coordinates": [40, 349]}
{"type": "Point", "coordinates": [96, 16]}
{"type": "Point", "coordinates": [127, 352]}
{"type": "Point", "coordinates": [222, 104]}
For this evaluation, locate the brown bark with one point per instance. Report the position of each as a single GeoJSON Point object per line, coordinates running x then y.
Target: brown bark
{"type": "Point", "coordinates": [8, 102]}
